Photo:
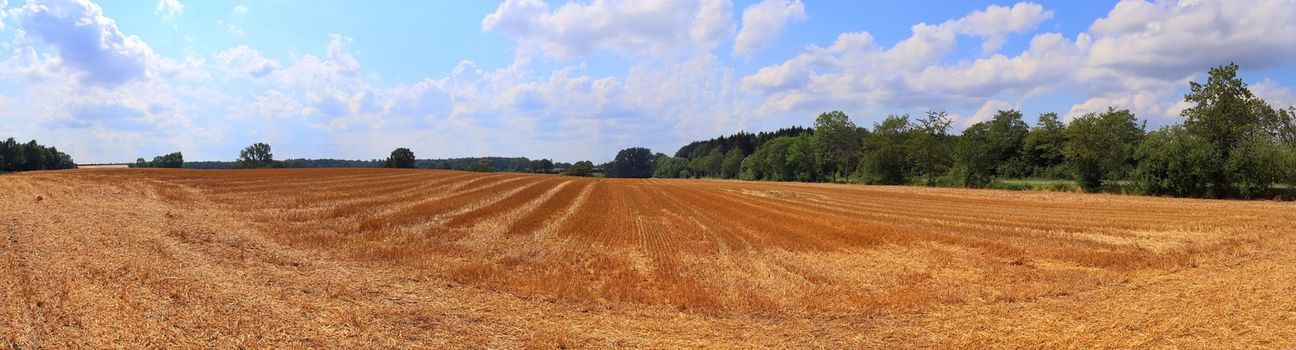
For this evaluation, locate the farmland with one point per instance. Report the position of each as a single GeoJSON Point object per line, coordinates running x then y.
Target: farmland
{"type": "Point", "coordinates": [426, 258]}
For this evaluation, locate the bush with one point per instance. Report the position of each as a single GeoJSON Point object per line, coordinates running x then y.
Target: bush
{"type": "Point", "coordinates": [581, 168]}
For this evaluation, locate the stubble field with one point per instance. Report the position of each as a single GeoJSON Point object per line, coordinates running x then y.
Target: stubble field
{"type": "Point", "coordinates": [435, 259]}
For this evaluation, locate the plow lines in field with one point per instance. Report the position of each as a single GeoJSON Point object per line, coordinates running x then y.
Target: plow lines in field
{"type": "Point", "coordinates": [723, 250]}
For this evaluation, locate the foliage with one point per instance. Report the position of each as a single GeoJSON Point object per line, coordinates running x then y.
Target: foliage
{"type": "Point", "coordinates": [481, 166]}
{"type": "Point", "coordinates": [745, 141]}
{"type": "Point", "coordinates": [634, 162]}
{"type": "Point", "coordinates": [671, 167]}
{"type": "Point", "coordinates": [929, 146]}
{"type": "Point", "coordinates": [581, 168]}
{"type": "Point", "coordinates": [542, 166]}
{"type": "Point", "coordinates": [1043, 147]}
{"type": "Point", "coordinates": [732, 164]}
{"type": "Point", "coordinates": [885, 159]}
{"type": "Point", "coordinates": [15, 156]}
{"type": "Point", "coordinates": [257, 155]}
{"type": "Point", "coordinates": [400, 158]}
{"type": "Point", "coordinates": [976, 165]}
{"type": "Point", "coordinates": [169, 160]}
{"type": "Point", "coordinates": [1173, 161]}
{"type": "Point", "coordinates": [836, 143]}
{"type": "Point", "coordinates": [1101, 146]}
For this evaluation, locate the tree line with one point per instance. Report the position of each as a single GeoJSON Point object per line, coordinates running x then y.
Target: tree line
{"type": "Point", "coordinates": [1230, 144]}
{"type": "Point", "coordinates": [16, 156]}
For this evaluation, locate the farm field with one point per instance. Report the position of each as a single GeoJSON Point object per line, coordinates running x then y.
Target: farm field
{"type": "Point", "coordinates": [435, 259]}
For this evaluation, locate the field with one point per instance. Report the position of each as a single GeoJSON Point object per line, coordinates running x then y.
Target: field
{"type": "Point", "coordinates": [435, 259]}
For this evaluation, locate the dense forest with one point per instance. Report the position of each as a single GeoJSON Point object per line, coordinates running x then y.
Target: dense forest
{"type": "Point", "coordinates": [15, 156]}
{"type": "Point", "coordinates": [1231, 144]}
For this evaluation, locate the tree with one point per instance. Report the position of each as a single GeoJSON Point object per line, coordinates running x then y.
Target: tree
{"type": "Point", "coordinates": [481, 166]}
{"type": "Point", "coordinates": [1174, 162]}
{"type": "Point", "coordinates": [15, 156]}
{"type": "Point", "coordinates": [885, 159]}
{"type": "Point", "coordinates": [1006, 136]}
{"type": "Point", "coordinates": [731, 165]}
{"type": "Point", "coordinates": [1043, 146]}
{"type": "Point", "coordinates": [581, 168]}
{"type": "Point", "coordinates": [634, 162]}
{"type": "Point", "coordinates": [256, 156]}
{"type": "Point", "coordinates": [671, 167]}
{"type": "Point", "coordinates": [801, 160]}
{"type": "Point", "coordinates": [769, 161]}
{"type": "Point", "coordinates": [169, 160]}
{"type": "Point", "coordinates": [836, 143]}
{"type": "Point", "coordinates": [400, 158]}
{"type": "Point", "coordinates": [1101, 147]}
{"type": "Point", "coordinates": [1226, 114]}
{"type": "Point", "coordinates": [976, 165]}
{"type": "Point", "coordinates": [929, 146]}
{"type": "Point", "coordinates": [542, 166]}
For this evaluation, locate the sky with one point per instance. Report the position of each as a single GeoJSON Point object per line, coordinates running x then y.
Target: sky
{"type": "Point", "coordinates": [112, 81]}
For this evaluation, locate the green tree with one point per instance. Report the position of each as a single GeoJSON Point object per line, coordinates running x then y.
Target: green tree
{"type": "Point", "coordinates": [257, 155]}
{"type": "Point", "coordinates": [732, 163]}
{"type": "Point", "coordinates": [930, 146]}
{"type": "Point", "coordinates": [633, 162]}
{"type": "Point", "coordinates": [976, 165]}
{"type": "Point", "coordinates": [885, 158]}
{"type": "Point", "coordinates": [769, 161]}
{"type": "Point", "coordinates": [1043, 147]}
{"type": "Point", "coordinates": [1175, 162]}
{"type": "Point", "coordinates": [671, 167]}
{"type": "Point", "coordinates": [481, 166]}
{"type": "Point", "coordinates": [1007, 136]}
{"type": "Point", "coordinates": [1101, 147]}
{"type": "Point", "coordinates": [837, 143]}
{"type": "Point", "coordinates": [801, 160]}
{"type": "Point", "coordinates": [1226, 114]}
{"type": "Point", "coordinates": [542, 166]}
{"type": "Point", "coordinates": [400, 158]}
{"type": "Point", "coordinates": [581, 168]}
{"type": "Point", "coordinates": [169, 160]}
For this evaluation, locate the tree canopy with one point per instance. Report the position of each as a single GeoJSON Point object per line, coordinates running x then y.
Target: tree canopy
{"type": "Point", "coordinates": [400, 158]}
{"type": "Point", "coordinates": [256, 156]}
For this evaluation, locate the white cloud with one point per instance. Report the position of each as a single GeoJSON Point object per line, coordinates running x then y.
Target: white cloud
{"type": "Point", "coordinates": [987, 112]}
{"type": "Point", "coordinates": [87, 41]}
{"type": "Point", "coordinates": [245, 62]}
{"type": "Point", "coordinates": [169, 9]}
{"type": "Point", "coordinates": [240, 10]}
{"type": "Point", "coordinates": [1168, 40]}
{"type": "Point", "coordinates": [764, 22]}
{"type": "Point", "coordinates": [1137, 57]}
{"type": "Point", "coordinates": [661, 28]}
{"type": "Point", "coordinates": [1275, 94]}
{"type": "Point", "coordinates": [995, 22]}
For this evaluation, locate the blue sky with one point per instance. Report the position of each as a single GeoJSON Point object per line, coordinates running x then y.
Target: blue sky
{"type": "Point", "coordinates": [112, 81]}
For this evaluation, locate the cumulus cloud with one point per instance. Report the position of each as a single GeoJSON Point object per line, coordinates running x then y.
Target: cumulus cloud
{"type": "Point", "coordinates": [240, 10]}
{"type": "Point", "coordinates": [987, 112]}
{"type": "Point", "coordinates": [245, 62]}
{"type": "Point", "coordinates": [995, 22]}
{"type": "Point", "coordinates": [87, 41]}
{"type": "Point", "coordinates": [1172, 40]}
{"type": "Point", "coordinates": [169, 9]}
{"type": "Point", "coordinates": [662, 28]}
{"type": "Point", "coordinates": [764, 22]}
{"type": "Point", "coordinates": [1135, 57]}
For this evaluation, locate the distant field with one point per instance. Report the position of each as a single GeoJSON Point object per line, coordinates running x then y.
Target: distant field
{"type": "Point", "coordinates": [434, 259]}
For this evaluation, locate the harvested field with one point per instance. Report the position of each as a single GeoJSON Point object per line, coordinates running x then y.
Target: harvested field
{"type": "Point", "coordinates": [435, 259]}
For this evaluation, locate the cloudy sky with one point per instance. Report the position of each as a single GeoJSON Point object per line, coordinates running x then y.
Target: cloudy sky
{"type": "Point", "coordinates": [115, 80]}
